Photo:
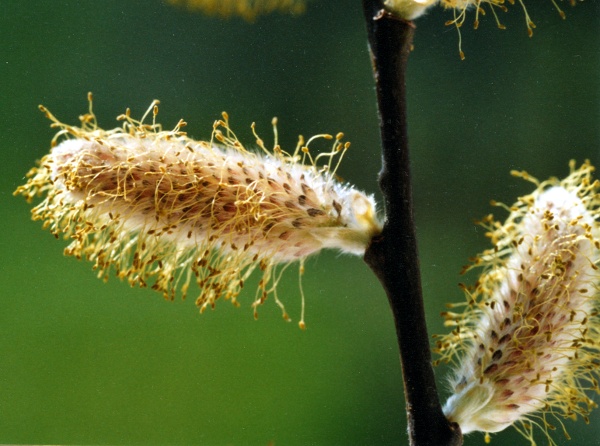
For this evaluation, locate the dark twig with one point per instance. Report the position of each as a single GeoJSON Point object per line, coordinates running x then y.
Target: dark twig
{"type": "Point", "coordinates": [393, 255]}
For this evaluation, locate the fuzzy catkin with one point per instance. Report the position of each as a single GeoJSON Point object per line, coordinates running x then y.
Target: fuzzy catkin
{"type": "Point", "coordinates": [528, 340]}
{"type": "Point", "coordinates": [247, 9]}
{"type": "Point", "coordinates": [159, 208]}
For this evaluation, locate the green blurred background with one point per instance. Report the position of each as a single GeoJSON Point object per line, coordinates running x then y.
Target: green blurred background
{"type": "Point", "coordinates": [82, 362]}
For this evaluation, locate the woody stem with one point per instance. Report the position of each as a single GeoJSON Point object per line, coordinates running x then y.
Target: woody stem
{"type": "Point", "coordinates": [393, 255]}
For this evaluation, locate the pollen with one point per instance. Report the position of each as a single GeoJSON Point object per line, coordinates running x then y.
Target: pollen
{"type": "Point", "coordinates": [526, 347]}
{"type": "Point", "coordinates": [161, 210]}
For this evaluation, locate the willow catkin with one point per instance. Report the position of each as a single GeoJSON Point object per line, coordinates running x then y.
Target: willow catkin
{"type": "Point", "coordinates": [159, 208]}
{"type": "Point", "coordinates": [247, 9]}
{"type": "Point", "coordinates": [527, 346]}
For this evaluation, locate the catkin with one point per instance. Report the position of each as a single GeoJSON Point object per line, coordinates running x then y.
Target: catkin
{"type": "Point", "coordinates": [159, 208]}
{"type": "Point", "coordinates": [526, 348]}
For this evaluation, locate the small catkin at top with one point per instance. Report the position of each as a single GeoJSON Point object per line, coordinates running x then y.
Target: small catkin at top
{"type": "Point", "coordinates": [247, 9]}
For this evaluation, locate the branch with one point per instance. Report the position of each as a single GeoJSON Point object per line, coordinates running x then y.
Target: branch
{"type": "Point", "coordinates": [393, 255]}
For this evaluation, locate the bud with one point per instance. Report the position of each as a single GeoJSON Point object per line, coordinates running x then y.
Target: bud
{"type": "Point", "coordinates": [159, 208]}
{"type": "Point", "coordinates": [529, 339]}
{"type": "Point", "coordinates": [409, 9]}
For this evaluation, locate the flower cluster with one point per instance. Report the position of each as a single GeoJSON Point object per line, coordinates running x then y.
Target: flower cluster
{"type": "Point", "coordinates": [412, 9]}
{"type": "Point", "coordinates": [247, 9]}
{"type": "Point", "coordinates": [159, 208]}
{"type": "Point", "coordinates": [526, 347]}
